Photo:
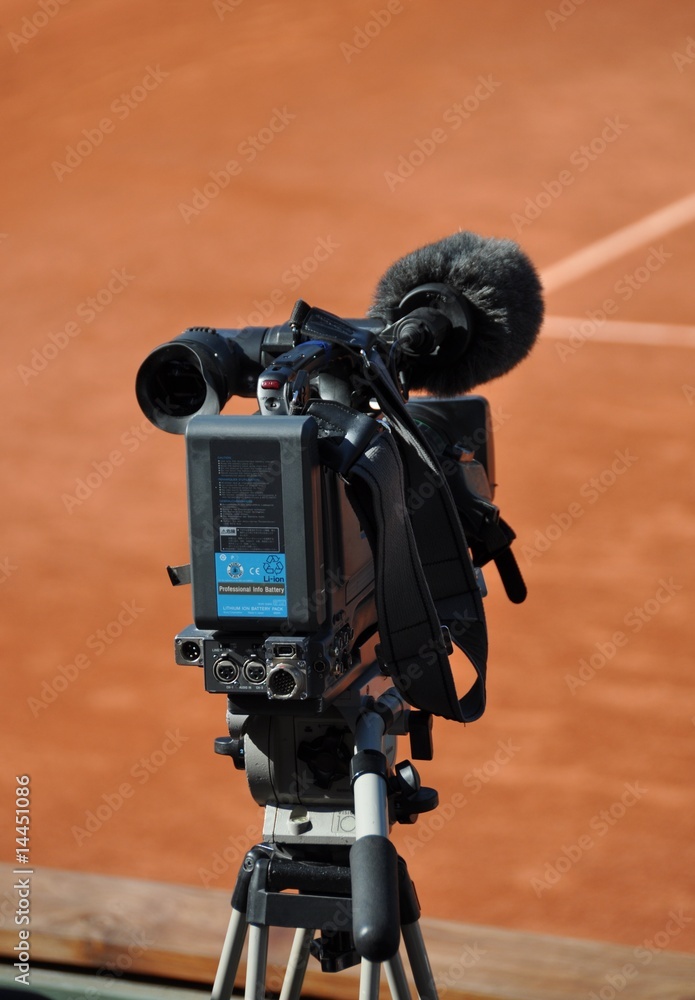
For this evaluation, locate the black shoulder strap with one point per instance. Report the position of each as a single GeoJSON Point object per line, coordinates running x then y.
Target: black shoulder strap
{"type": "Point", "coordinates": [423, 575]}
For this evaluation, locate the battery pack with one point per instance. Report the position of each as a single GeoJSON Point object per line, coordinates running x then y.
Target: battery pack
{"type": "Point", "coordinates": [255, 519]}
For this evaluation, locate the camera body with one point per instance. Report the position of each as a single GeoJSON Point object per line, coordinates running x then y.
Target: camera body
{"type": "Point", "coordinates": [282, 572]}
{"type": "Point", "coordinates": [349, 514]}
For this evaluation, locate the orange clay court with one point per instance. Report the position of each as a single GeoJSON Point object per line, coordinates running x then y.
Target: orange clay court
{"type": "Point", "coordinates": [176, 164]}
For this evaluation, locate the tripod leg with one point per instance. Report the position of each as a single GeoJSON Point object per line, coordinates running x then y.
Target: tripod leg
{"type": "Point", "coordinates": [296, 964]}
{"type": "Point", "coordinates": [369, 980]}
{"type": "Point", "coordinates": [256, 963]}
{"type": "Point", "coordinates": [419, 962]}
{"type": "Point", "coordinates": [398, 984]}
{"type": "Point", "coordinates": [229, 959]}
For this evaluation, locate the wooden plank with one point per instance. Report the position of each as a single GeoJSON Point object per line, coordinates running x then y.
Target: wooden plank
{"type": "Point", "coordinates": [120, 927]}
{"type": "Point", "coordinates": [84, 985]}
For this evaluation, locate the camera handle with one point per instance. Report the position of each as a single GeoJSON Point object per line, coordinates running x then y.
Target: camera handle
{"type": "Point", "coordinates": [361, 909]}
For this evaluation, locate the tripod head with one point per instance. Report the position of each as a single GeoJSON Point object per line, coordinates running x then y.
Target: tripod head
{"type": "Point", "coordinates": [340, 839]}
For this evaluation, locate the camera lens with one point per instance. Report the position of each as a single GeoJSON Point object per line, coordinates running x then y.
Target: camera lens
{"type": "Point", "coordinates": [179, 388]}
{"type": "Point", "coordinates": [181, 379]}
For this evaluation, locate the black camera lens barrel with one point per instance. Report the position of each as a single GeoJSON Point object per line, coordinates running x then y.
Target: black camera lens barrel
{"type": "Point", "coordinates": [199, 372]}
{"type": "Point", "coordinates": [187, 376]}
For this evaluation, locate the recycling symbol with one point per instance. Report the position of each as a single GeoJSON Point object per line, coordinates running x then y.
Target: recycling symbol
{"type": "Point", "coordinates": [272, 566]}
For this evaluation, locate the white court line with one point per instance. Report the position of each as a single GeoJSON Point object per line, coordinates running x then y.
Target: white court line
{"type": "Point", "coordinates": [619, 243]}
{"type": "Point", "coordinates": [618, 332]}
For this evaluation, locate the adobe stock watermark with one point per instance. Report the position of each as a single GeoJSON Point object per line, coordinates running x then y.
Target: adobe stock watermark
{"type": "Point", "coordinates": [231, 855]}
{"type": "Point", "coordinates": [33, 23]}
{"type": "Point", "coordinates": [455, 973]}
{"type": "Point", "coordinates": [104, 468]}
{"type": "Point", "coordinates": [8, 909]}
{"type": "Point", "coordinates": [600, 825]}
{"type": "Point", "coordinates": [237, 847]}
{"type": "Point", "coordinates": [224, 7]}
{"type": "Point", "coordinates": [624, 289]}
{"type": "Point", "coordinates": [580, 159]}
{"type": "Point", "coordinates": [7, 568]}
{"type": "Point", "coordinates": [635, 620]}
{"type": "Point", "coordinates": [429, 824]}
{"type": "Point", "coordinates": [95, 645]}
{"type": "Point", "coordinates": [619, 978]}
{"type": "Point", "coordinates": [119, 966]}
{"type": "Point", "coordinates": [271, 472]}
{"type": "Point", "coordinates": [685, 58]}
{"type": "Point", "coordinates": [689, 393]}
{"type": "Point", "coordinates": [87, 311]}
{"type": "Point", "coordinates": [248, 150]}
{"type": "Point", "coordinates": [591, 491]}
{"type": "Point", "coordinates": [121, 107]}
{"type": "Point", "coordinates": [141, 772]}
{"type": "Point", "coordinates": [565, 9]}
{"type": "Point", "coordinates": [290, 280]}
{"type": "Point", "coordinates": [364, 35]}
{"type": "Point", "coordinates": [415, 498]}
{"type": "Point", "coordinates": [453, 118]}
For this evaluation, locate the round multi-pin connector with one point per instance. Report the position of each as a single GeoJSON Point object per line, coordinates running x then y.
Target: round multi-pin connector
{"type": "Point", "coordinates": [285, 681]}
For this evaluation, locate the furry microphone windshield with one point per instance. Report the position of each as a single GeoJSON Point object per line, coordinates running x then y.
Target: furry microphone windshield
{"type": "Point", "coordinates": [503, 291]}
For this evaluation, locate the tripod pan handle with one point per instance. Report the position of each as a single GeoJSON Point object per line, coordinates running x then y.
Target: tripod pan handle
{"type": "Point", "coordinates": [375, 912]}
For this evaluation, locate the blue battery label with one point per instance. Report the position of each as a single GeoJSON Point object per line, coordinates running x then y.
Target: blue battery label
{"type": "Point", "coordinates": [251, 584]}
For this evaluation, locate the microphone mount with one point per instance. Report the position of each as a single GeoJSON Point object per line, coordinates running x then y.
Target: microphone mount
{"type": "Point", "coordinates": [427, 317]}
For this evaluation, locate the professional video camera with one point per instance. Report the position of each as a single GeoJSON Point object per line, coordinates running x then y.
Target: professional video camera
{"type": "Point", "coordinates": [336, 552]}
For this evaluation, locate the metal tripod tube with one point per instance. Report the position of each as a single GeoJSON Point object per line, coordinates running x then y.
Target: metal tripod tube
{"type": "Point", "coordinates": [419, 962]}
{"type": "Point", "coordinates": [369, 789]}
{"type": "Point", "coordinates": [256, 963]}
{"type": "Point", "coordinates": [296, 965]}
{"type": "Point", "coordinates": [395, 974]}
{"type": "Point", "coordinates": [369, 980]}
{"type": "Point", "coordinates": [373, 858]}
{"type": "Point", "coordinates": [230, 957]}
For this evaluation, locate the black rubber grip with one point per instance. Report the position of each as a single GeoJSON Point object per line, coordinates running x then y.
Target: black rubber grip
{"type": "Point", "coordinates": [375, 914]}
{"type": "Point", "coordinates": [512, 580]}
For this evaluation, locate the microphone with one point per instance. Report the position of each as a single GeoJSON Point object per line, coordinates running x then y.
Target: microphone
{"type": "Point", "coordinates": [500, 313]}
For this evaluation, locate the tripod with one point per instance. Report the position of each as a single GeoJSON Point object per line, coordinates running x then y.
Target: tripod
{"type": "Point", "coordinates": [361, 907]}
